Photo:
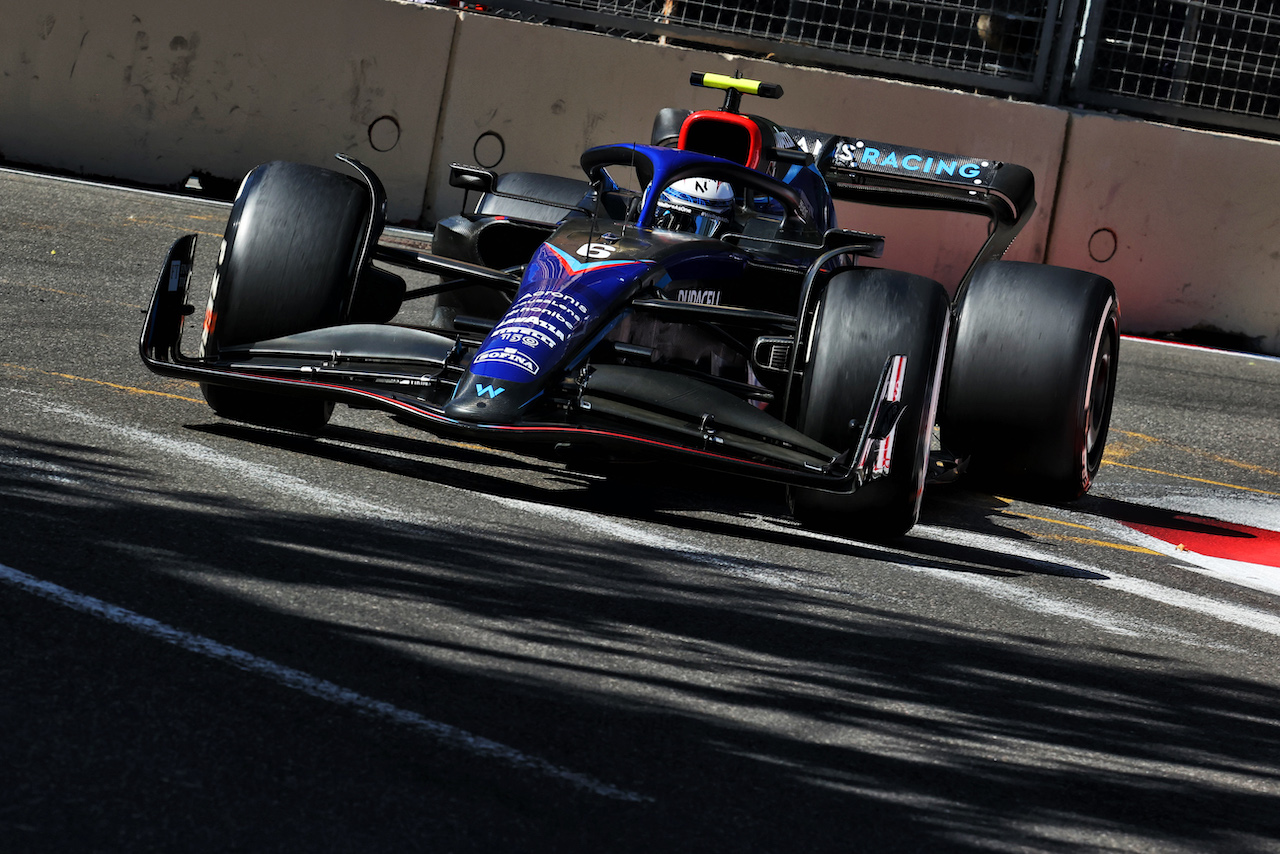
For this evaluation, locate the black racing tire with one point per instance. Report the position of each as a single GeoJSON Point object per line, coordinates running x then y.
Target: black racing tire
{"type": "Point", "coordinates": [287, 264]}
{"type": "Point", "coordinates": [1032, 378]}
{"type": "Point", "coordinates": [864, 317]}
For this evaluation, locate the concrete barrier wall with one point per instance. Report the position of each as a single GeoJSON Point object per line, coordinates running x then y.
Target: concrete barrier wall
{"type": "Point", "coordinates": [1186, 223]}
{"type": "Point", "coordinates": [156, 92]}
{"type": "Point", "coordinates": [151, 90]}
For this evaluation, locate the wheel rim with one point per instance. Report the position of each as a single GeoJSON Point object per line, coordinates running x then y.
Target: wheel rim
{"type": "Point", "coordinates": [1097, 413]}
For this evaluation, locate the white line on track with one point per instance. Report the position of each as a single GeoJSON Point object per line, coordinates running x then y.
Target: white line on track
{"type": "Point", "coordinates": [1203, 349]}
{"type": "Point", "coordinates": [1225, 611]}
{"type": "Point", "coordinates": [257, 473]}
{"type": "Point", "coordinates": [1042, 602]}
{"type": "Point", "coordinates": [1036, 601]}
{"type": "Point", "coordinates": [579, 520]}
{"type": "Point", "coordinates": [310, 685]}
{"type": "Point", "coordinates": [337, 503]}
{"type": "Point", "coordinates": [1256, 576]}
{"type": "Point", "coordinates": [997, 588]}
{"type": "Point", "coordinates": [326, 499]}
{"type": "Point", "coordinates": [117, 188]}
{"type": "Point", "coordinates": [1009, 591]}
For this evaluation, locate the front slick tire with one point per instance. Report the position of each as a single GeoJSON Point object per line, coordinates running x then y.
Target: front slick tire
{"type": "Point", "coordinates": [1032, 378]}
{"type": "Point", "coordinates": [287, 265]}
{"type": "Point", "coordinates": [866, 316]}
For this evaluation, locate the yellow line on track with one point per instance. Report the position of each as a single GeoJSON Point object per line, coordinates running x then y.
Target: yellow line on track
{"type": "Point", "coordinates": [69, 293]}
{"type": "Point", "coordinates": [128, 388]}
{"type": "Point", "coordinates": [1218, 458]}
{"type": "Point", "coordinates": [1046, 519]}
{"type": "Point", "coordinates": [1103, 543]}
{"type": "Point", "coordinates": [1195, 479]}
{"type": "Point", "coordinates": [1088, 541]}
{"type": "Point", "coordinates": [117, 386]}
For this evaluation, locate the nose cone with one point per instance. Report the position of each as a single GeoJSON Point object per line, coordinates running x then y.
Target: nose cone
{"type": "Point", "coordinates": [489, 400]}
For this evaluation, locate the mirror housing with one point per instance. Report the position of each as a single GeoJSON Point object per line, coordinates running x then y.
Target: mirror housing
{"type": "Point", "coordinates": [472, 178]}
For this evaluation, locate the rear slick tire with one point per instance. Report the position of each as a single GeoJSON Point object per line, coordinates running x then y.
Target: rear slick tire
{"type": "Point", "coordinates": [1032, 378]}
{"type": "Point", "coordinates": [287, 265]}
{"type": "Point", "coordinates": [864, 317]}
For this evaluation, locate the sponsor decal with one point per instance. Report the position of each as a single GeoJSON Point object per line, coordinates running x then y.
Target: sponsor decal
{"type": "Point", "coordinates": [534, 328]}
{"type": "Point", "coordinates": [852, 155]}
{"type": "Point", "coordinates": [884, 455]}
{"type": "Point", "coordinates": [509, 356]}
{"type": "Point", "coordinates": [488, 390]}
{"type": "Point", "coordinates": [527, 335]}
{"type": "Point", "coordinates": [701, 297]}
{"type": "Point", "coordinates": [210, 316]}
{"type": "Point", "coordinates": [562, 263]}
{"type": "Point", "coordinates": [810, 146]}
{"type": "Point", "coordinates": [543, 318]}
{"type": "Point", "coordinates": [897, 375]}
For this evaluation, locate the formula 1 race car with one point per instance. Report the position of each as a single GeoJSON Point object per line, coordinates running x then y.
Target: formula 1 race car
{"type": "Point", "coordinates": [691, 299]}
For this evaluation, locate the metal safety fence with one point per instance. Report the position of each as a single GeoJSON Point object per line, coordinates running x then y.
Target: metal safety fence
{"type": "Point", "coordinates": [1206, 62]}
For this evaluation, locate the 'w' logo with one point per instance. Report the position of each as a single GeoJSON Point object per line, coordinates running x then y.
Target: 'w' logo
{"type": "Point", "coordinates": [482, 390]}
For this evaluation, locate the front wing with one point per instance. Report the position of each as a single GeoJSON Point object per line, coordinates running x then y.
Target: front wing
{"type": "Point", "coordinates": [411, 373]}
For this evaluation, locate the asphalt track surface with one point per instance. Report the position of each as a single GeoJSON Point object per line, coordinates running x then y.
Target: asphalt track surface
{"type": "Point", "coordinates": [220, 638]}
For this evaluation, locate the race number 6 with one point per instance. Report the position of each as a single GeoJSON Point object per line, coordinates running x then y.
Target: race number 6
{"type": "Point", "coordinates": [596, 250]}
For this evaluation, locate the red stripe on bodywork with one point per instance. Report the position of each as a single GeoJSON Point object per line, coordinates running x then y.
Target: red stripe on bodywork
{"type": "Point", "coordinates": [395, 403]}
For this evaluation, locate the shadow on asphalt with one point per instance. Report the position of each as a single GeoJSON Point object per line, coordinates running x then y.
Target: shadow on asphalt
{"type": "Point", "coordinates": [757, 718]}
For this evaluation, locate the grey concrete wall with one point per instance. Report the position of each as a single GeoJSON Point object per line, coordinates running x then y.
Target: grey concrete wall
{"type": "Point", "coordinates": [1183, 221]}
{"type": "Point", "coordinates": [150, 90]}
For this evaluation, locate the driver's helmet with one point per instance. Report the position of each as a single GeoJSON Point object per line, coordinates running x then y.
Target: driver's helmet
{"type": "Point", "coordinates": [696, 206]}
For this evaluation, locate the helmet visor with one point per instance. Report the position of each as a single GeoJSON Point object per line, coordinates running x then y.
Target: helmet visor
{"type": "Point", "coordinates": [704, 224]}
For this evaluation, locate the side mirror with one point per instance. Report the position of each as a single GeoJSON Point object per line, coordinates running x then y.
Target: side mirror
{"type": "Point", "coordinates": [666, 126]}
{"type": "Point", "coordinates": [472, 178]}
{"type": "Point", "coordinates": [857, 242]}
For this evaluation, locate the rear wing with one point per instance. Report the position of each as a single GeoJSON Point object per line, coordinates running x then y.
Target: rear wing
{"type": "Point", "coordinates": [859, 170]}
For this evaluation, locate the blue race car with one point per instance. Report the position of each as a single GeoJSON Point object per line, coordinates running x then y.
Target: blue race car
{"type": "Point", "coordinates": [692, 299]}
